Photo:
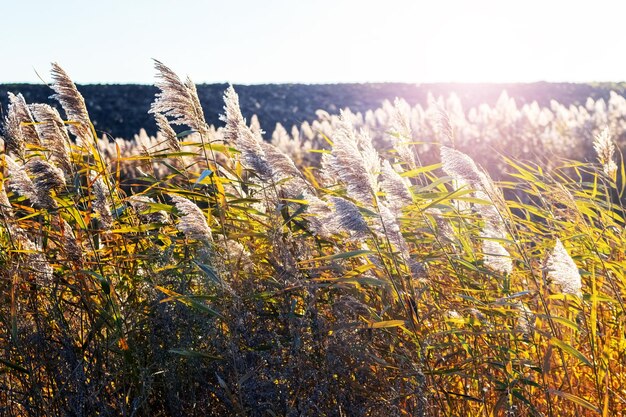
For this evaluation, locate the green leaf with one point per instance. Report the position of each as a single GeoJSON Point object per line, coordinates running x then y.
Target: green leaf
{"type": "Point", "coordinates": [343, 255]}
{"type": "Point", "coordinates": [186, 133]}
{"type": "Point", "coordinates": [560, 320]}
{"type": "Point", "coordinates": [188, 301]}
{"type": "Point", "coordinates": [209, 271]}
{"type": "Point", "coordinates": [575, 399]}
{"type": "Point", "coordinates": [104, 283]}
{"type": "Point", "coordinates": [194, 354]}
{"type": "Point", "coordinates": [570, 350]}
{"type": "Point", "coordinates": [415, 172]}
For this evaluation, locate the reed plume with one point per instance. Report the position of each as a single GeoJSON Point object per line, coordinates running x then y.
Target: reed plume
{"type": "Point", "coordinates": [101, 202]}
{"type": "Point", "coordinates": [178, 100]}
{"type": "Point", "coordinates": [192, 224]}
{"type": "Point", "coordinates": [397, 188]}
{"type": "Point", "coordinates": [53, 133]}
{"type": "Point", "coordinates": [441, 226]}
{"type": "Point", "coordinates": [19, 181]}
{"type": "Point", "coordinates": [348, 217]}
{"type": "Point", "coordinates": [232, 116]}
{"type": "Point", "coordinates": [319, 215]}
{"type": "Point", "coordinates": [525, 320]}
{"type": "Point", "coordinates": [463, 168]}
{"type": "Point", "coordinates": [73, 104]}
{"type": "Point", "coordinates": [495, 256]}
{"type": "Point", "coordinates": [355, 161]}
{"type": "Point", "coordinates": [6, 211]}
{"type": "Point", "coordinates": [255, 126]}
{"type": "Point", "coordinates": [285, 174]}
{"type": "Point", "coordinates": [562, 270]}
{"type": "Point", "coordinates": [35, 260]}
{"type": "Point", "coordinates": [167, 132]}
{"type": "Point", "coordinates": [45, 178]}
{"type": "Point", "coordinates": [605, 149]}
{"type": "Point", "coordinates": [71, 247]}
{"type": "Point", "coordinates": [24, 124]}
{"type": "Point", "coordinates": [390, 229]}
{"type": "Point", "coordinates": [13, 137]}
{"type": "Point", "coordinates": [402, 132]}
{"type": "Point", "coordinates": [237, 133]}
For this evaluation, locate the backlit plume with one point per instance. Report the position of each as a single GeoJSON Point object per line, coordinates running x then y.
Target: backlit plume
{"type": "Point", "coordinates": [563, 271]}
{"type": "Point", "coordinates": [605, 149]}
{"type": "Point", "coordinates": [192, 223]}
{"type": "Point", "coordinates": [178, 100]}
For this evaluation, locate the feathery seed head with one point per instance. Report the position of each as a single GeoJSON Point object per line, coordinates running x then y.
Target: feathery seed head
{"type": "Point", "coordinates": [285, 174]}
{"type": "Point", "coordinates": [390, 228]}
{"type": "Point", "coordinates": [6, 211]}
{"type": "Point", "coordinates": [496, 257]}
{"type": "Point", "coordinates": [233, 118]}
{"type": "Point", "coordinates": [255, 126]}
{"type": "Point", "coordinates": [21, 120]}
{"type": "Point", "coordinates": [71, 247]}
{"type": "Point", "coordinates": [101, 203]}
{"type": "Point", "coordinates": [253, 154]}
{"type": "Point", "coordinates": [72, 102]}
{"type": "Point", "coordinates": [348, 217]}
{"type": "Point", "coordinates": [46, 176]}
{"type": "Point", "coordinates": [192, 224]}
{"type": "Point", "coordinates": [463, 168]}
{"type": "Point", "coordinates": [396, 187]}
{"type": "Point", "coordinates": [168, 133]}
{"type": "Point", "coordinates": [562, 270]}
{"type": "Point", "coordinates": [53, 133]}
{"type": "Point", "coordinates": [355, 161]}
{"type": "Point", "coordinates": [178, 100]}
{"type": "Point", "coordinates": [319, 215]}
{"type": "Point", "coordinates": [36, 261]}
{"type": "Point", "coordinates": [605, 149]}
{"type": "Point", "coordinates": [13, 136]}
{"type": "Point", "coordinates": [525, 319]}
{"type": "Point", "coordinates": [459, 165]}
{"type": "Point", "coordinates": [442, 226]}
{"type": "Point", "coordinates": [19, 181]}
{"type": "Point", "coordinates": [237, 133]}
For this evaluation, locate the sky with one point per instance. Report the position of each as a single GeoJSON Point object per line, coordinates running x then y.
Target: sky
{"type": "Point", "coordinates": [315, 41]}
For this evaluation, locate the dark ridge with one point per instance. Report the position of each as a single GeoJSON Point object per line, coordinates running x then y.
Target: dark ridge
{"type": "Point", "coordinates": [121, 110]}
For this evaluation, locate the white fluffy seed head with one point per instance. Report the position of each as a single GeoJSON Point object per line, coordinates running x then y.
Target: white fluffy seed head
{"type": "Point", "coordinates": [496, 257]}
{"type": "Point", "coordinates": [193, 224]}
{"type": "Point", "coordinates": [605, 149]}
{"type": "Point", "coordinates": [562, 270]}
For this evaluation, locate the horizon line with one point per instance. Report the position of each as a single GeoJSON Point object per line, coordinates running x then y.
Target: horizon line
{"type": "Point", "coordinates": [333, 83]}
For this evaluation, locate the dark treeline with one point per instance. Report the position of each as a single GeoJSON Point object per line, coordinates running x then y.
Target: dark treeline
{"type": "Point", "coordinates": [121, 110]}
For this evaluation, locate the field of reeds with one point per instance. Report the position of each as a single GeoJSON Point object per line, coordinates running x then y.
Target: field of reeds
{"type": "Point", "coordinates": [406, 261]}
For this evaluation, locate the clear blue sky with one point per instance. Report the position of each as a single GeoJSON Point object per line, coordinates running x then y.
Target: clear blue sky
{"type": "Point", "coordinates": [315, 41]}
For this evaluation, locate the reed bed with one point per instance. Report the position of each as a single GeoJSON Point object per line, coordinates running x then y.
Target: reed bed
{"type": "Point", "coordinates": [212, 272]}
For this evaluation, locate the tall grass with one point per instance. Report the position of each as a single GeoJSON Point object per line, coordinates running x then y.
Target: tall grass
{"type": "Point", "coordinates": [207, 273]}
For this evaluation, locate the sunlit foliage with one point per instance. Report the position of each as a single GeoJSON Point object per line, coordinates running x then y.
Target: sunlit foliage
{"type": "Point", "coordinates": [363, 265]}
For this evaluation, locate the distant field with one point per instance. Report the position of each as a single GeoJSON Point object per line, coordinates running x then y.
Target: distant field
{"type": "Point", "coordinates": [121, 110]}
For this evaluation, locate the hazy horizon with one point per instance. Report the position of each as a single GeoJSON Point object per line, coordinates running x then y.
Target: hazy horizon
{"type": "Point", "coordinates": [322, 42]}
{"type": "Point", "coordinates": [416, 84]}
